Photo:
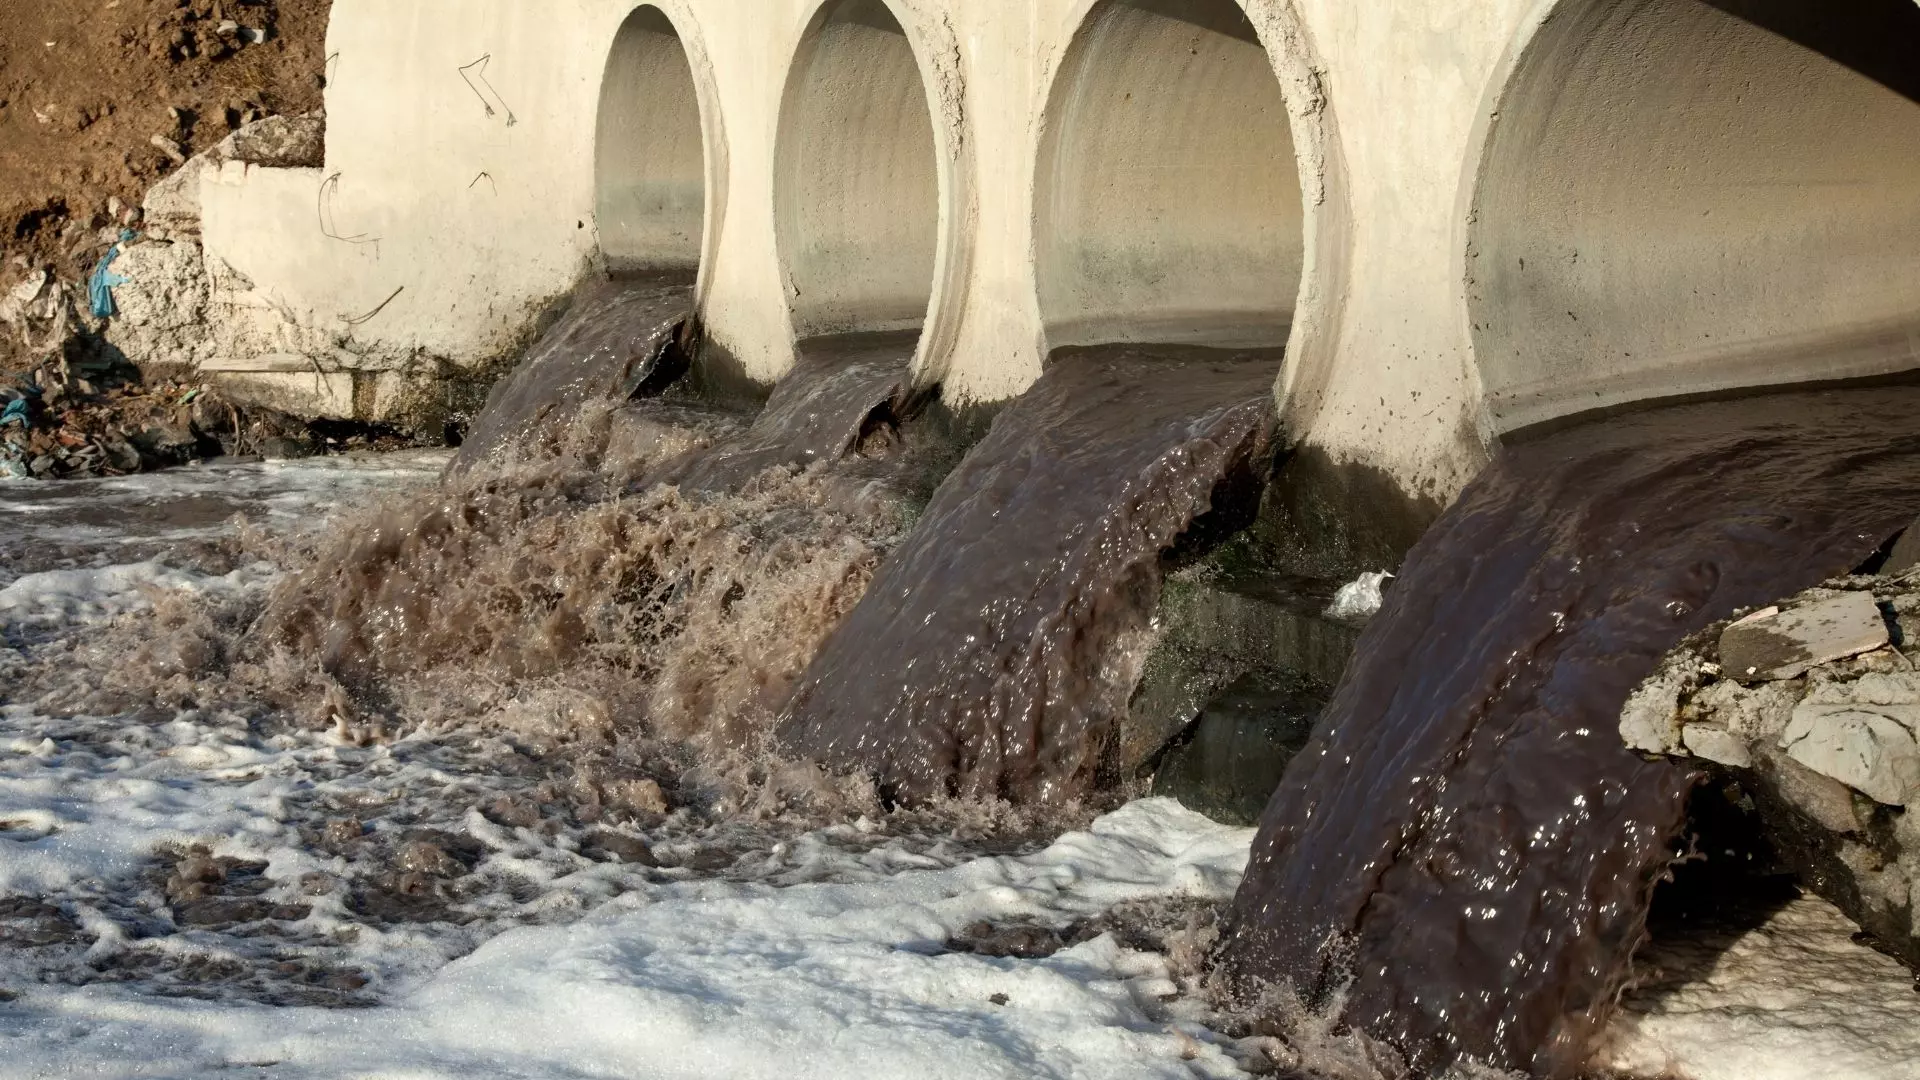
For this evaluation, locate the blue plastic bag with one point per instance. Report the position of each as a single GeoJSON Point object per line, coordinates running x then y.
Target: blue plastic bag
{"type": "Point", "coordinates": [100, 287]}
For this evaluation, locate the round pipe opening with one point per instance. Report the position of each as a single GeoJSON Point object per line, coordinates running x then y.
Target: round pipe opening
{"type": "Point", "coordinates": [857, 190]}
{"type": "Point", "coordinates": [1169, 202]}
{"type": "Point", "coordinates": [650, 161]}
{"type": "Point", "coordinates": [1692, 196]}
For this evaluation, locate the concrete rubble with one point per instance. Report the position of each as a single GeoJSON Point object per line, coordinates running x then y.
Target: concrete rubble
{"type": "Point", "coordinates": [1812, 710]}
{"type": "Point", "coordinates": [181, 311]}
{"type": "Point", "coordinates": [185, 312]}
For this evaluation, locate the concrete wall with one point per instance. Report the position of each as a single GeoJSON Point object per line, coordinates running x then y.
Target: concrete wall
{"type": "Point", "coordinates": [856, 176]}
{"type": "Point", "coordinates": [650, 160]}
{"type": "Point", "coordinates": [1683, 196]}
{"type": "Point", "coordinates": [1360, 180]}
{"type": "Point", "coordinates": [1165, 208]}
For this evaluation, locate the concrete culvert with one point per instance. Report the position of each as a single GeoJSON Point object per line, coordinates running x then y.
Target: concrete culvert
{"type": "Point", "coordinates": [1689, 196]}
{"type": "Point", "coordinates": [650, 158]}
{"type": "Point", "coordinates": [857, 190]}
{"type": "Point", "coordinates": [1169, 205]}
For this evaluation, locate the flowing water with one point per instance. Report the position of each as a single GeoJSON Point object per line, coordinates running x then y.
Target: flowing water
{"type": "Point", "coordinates": [842, 392]}
{"type": "Point", "coordinates": [615, 342]}
{"type": "Point", "coordinates": [997, 648]}
{"type": "Point", "coordinates": [1465, 854]}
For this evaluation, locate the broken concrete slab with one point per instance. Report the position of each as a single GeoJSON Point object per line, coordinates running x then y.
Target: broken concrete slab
{"type": "Point", "coordinates": [1753, 714]}
{"type": "Point", "coordinates": [280, 142]}
{"type": "Point", "coordinates": [1650, 720]}
{"type": "Point", "coordinates": [329, 395]}
{"type": "Point", "coordinates": [172, 206]}
{"type": "Point", "coordinates": [1716, 744]}
{"type": "Point", "coordinates": [1827, 763]}
{"type": "Point", "coordinates": [1787, 644]}
{"type": "Point", "coordinates": [1870, 748]}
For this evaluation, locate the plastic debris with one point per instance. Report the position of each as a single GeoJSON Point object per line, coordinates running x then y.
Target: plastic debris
{"type": "Point", "coordinates": [16, 302]}
{"type": "Point", "coordinates": [100, 287]}
{"type": "Point", "coordinates": [18, 411]}
{"type": "Point", "coordinates": [1359, 599]}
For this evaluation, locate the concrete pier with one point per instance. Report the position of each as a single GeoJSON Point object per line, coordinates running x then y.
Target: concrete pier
{"type": "Point", "coordinates": [1462, 218]}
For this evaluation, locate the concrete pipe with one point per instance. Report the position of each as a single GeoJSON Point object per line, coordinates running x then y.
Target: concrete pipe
{"type": "Point", "coordinates": [650, 164]}
{"type": "Point", "coordinates": [1689, 196]}
{"type": "Point", "coordinates": [856, 178]}
{"type": "Point", "coordinates": [1168, 199]}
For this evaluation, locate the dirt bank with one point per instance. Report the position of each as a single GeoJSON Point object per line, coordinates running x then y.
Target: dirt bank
{"type": "Point", "coordinates": [100, 100]}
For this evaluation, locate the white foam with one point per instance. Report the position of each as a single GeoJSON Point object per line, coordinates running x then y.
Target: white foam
{"type": "Point", "coordinates": [58, 598]}
{"type": "Point", "coordinates": [730, 979]}
{"type": "Point", "coordinates": [75, 523]}
{"type": "Point", "coordinates": [1792, 999]}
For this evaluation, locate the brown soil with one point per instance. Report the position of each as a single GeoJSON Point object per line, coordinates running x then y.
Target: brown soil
{"type": "Point", "coordinates": [85, 88]}
{"type": "Point", "coordinates": [98, 101]}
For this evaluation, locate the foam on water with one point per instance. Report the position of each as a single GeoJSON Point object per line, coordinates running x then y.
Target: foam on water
{"type": "Point", "coordinates": [89, 524]}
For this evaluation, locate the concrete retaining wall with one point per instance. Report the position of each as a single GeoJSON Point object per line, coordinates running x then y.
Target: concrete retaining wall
{"type": "Point", "coordinates": [1462, 217]}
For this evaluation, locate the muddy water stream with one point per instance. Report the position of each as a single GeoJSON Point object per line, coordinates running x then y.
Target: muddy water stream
{"type": "Point", "coordinates": [614, 342]}
{"type": "Point", "coordinates": [996, 649]}
{"type": "Point", "coordinates": [1465, 848]}
{"type": "Point", "coordinates": [842, 390]}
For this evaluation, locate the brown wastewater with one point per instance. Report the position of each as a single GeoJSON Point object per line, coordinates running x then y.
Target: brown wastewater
{"type": "Point", "coordinates": [834, 603]}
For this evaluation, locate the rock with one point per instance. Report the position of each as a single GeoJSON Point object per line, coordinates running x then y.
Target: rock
{"type": "Point", "coordinates": [1021, 941]}
{"type": "Point", "coordinates": [121, 455]}
{"type": "Point", "coordinates": [1906, 553]}
{"type": "Point", "coordinates": [221, 911]}
{"type": "Point", "coordinates": [279, 142]}
{"type": "Point", "coordinates": [425, 857]}
{"type": "Point", "coordinates": [1717, 745]}
{"type": "Point", "coordinates": [170, 148]}
{"type": "Point", "coordinates": [1650, 720]}
{"type": "Point", "coordinates": [513, 812]}
{"type": "Point", "coordinates": [342, 834]}
{"type": "Point", "coordinates": [1867, 745]}
{"type": "Point", "coordinates": [640, 796]}
{"type": "Point", "coordinates": [17, 301]}
{"type": "Point", "coordinates": [610, 845]}
{"type": "Point", "coordinates": [280, 448]}
{"type": "Point", "coordinates": [1786, 644]}
{"type": "Point", "coordinates": [166, 442]}
{"type": "Point", "coordinates": [1826, 802]}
